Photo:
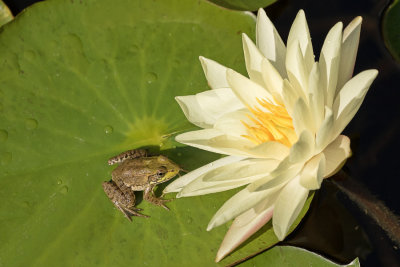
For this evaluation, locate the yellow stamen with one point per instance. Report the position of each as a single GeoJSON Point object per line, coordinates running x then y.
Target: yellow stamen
{"type": "Point", "coordinates": [274, 124]}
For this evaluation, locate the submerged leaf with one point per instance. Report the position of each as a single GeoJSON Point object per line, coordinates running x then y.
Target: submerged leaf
{"type": "Point", "coordinates": [390, 28]}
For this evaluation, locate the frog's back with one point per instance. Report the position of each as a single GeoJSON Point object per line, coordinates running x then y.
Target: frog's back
{"type": "Point", "coordinates": [133, 173]}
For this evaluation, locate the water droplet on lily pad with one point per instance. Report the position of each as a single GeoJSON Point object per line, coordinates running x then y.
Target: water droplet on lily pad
{"type": "Point", "coordinates": [31, 124]}
{"type": "Point", "coordinates": [64, 190]}
{"type": "Point", "coordinates": [151, 77]}
{"type": "Point", "coordinates": [5, 158]}
{"type": "Point", "coordinates": [108, 129]}
{"type": "Point", "coordinates": [3, 135]}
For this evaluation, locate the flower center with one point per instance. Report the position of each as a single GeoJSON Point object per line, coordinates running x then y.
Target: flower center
{"type": "Point", "coordinates": [275, 124]}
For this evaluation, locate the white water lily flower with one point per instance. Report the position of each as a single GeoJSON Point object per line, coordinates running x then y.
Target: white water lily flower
{"type": "Point", "coordinates": [280, 128]}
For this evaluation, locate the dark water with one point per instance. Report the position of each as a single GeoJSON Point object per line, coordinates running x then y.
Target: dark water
{"type": "Point", "coordinates": [335, 226]}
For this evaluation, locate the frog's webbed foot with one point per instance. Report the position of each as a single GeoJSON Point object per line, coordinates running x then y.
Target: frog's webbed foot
{"type": "Point", "coordinates": [131, 212]}
{"type": "Point", "coordinates": [149, 196]}
{"type": "Point", "coordinates": [130, 154]}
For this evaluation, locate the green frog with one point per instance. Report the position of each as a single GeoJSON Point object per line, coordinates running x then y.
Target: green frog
{"type": "Point", "coordinates": [138, 172]}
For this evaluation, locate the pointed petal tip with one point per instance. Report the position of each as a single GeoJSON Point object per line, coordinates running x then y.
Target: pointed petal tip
{"type": "Point", "coordinates": [375, 72]}
{"type": "Point", "coordinates": [338, 27]}
{"type": "Point", "coordinates": [301, 13]}
{"type": "Point", "coordinates": [278, 232]}
{"type": "Point", "coordinates": [219, 256]}
{"type": "Point", "coordinates": [261, 13]}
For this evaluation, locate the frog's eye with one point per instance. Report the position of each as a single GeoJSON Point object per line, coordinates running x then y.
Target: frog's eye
{"type": "Point", "coordinates": [162, 171]}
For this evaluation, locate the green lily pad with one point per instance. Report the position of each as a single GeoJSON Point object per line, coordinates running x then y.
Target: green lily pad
{"type": "Point", "coordinates": [81, 82]}
{"type": "Point", "coordinates": [244, 5]}
{"type": "Point", "coordinates": [5, 14]}
{"type": "Point", "coordinates": [286, 256]}
{"type": "Point", "coordinates": [390, 28]}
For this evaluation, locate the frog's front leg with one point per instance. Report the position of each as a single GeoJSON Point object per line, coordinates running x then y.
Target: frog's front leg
{"type": "Point", "coordinates": [149, 196]}
{"type": "Point", "coordinates": [130, 154]}
{"type": "Point", "coordinates": [124, 201]}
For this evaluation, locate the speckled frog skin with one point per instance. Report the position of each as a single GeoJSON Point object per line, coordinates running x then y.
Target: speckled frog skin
{"type": "Point", "coordinates": [137, 172]}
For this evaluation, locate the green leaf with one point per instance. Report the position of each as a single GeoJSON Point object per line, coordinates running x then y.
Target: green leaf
{"type": "Point", "coordinates": [390, 28]}
{"type": "Point", "coordinates": [244, 5]}
{"type": "Point", "coordinates": [5, 14]}
{"type": "Point", "coordinates": [83, 81]}
{"type": "Point", "coordinates": [286, 256]}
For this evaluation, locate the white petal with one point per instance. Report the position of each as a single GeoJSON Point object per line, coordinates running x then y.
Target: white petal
{"type": "Point", "coordinates": [271, 150]}
{"type": "Point", "coordinates": [299, 31]}
{"type": "Point", "coordinates": [240, 203]}
{"type": "Point", "coordinates": [246, 90]}
{"type": "Point", "coordinates": [229, 176]}
{"type": "Point", "coordinates": [303, 149]}
{"type": "Point", "coordinates": [245, 226]}
{"type": "Point", "coordinates": [313, 172]}
{"type": "Point", "coordinates": [290, 96]}
{"type": "Point", "coordinates": [350, 98]}
{"type": "Point", "coordinates": [316, 97]}
{"type": "Point", "coordinates": [215, 73]}
{"type": "Point", "coordinates": [179, 183]}
{"type": "Point", "coordinates": [326, 132]}
{"type": "Point", "coordinates": [285, 171]}
{"type": "Point", "coordinates": [288, 206]}
{"type": "Point", "coordinates": [329, 60]}
{"type": "Point", "coordinates": [253, 58]}
{"type": "Point", "coordinates": [216, 141]}
{"type": "Point", "coordinates": [296, 69]}
{"type": "Point", "coordinates": [193, 111]}
{"type": "Point", "coordinates": [336, 154]}
{"type": "Point", "coordinates": [215, 103]}
{"type": "Point", "coordinates": [351, 37]}
{"type": "Point", "coordinates": [204, 108]}
{"type": "Point", "coordinates": [270, 43]}
{"type": "Point", "coordinates": [302, 117]}
{"type": "Point", "coordinates": [272, 79]}
{"type": "Point", "coordinates": [231, 123]}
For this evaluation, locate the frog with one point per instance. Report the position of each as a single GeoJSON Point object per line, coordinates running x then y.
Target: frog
{"type": "Point", "coordinates": [138, 172]}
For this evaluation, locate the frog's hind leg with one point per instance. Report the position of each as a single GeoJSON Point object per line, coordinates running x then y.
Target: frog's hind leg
{"type": "Point", "coordinates": [124, 201]}
{"type": "Point", "coordinates": [130, 154]}
{"type": "Point", "coordinates": [149, 196]}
